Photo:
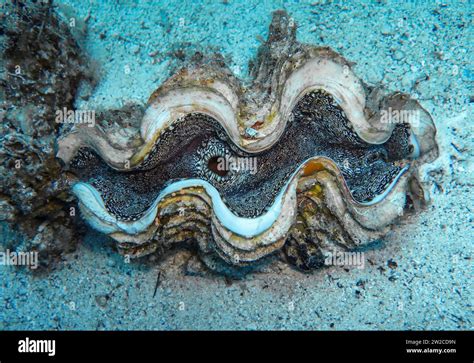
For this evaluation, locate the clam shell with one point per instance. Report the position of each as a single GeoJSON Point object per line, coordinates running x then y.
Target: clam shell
{"type": "Point", "coordinates": [315, 204]}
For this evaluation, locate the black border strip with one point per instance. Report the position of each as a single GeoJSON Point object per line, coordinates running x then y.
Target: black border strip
{"type": "Point", "coordinates": [221, 345]}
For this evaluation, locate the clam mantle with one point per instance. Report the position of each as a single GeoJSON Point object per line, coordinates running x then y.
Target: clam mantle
{"type": "Point", "coordinates": [332, 171]}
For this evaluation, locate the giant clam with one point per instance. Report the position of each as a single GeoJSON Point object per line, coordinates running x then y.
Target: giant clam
{"type": "Point", "coordinates": [320, 165]}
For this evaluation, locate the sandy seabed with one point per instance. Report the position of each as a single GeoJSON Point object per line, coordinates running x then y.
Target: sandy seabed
{"type": "Point", "coordinates": [418, 277]}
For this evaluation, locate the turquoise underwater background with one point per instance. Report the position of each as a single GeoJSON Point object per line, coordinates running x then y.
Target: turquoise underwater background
{"type": "Point", "coordinates": [137, 45]}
